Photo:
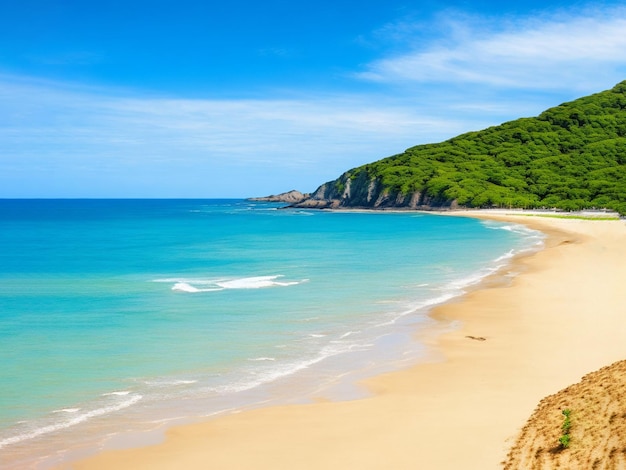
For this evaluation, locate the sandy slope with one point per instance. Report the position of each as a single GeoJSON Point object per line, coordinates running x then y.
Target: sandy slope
{"type": "Point", "coordinates": [561, 318]}
{"type": "Point", "coordinates": [597, 406]}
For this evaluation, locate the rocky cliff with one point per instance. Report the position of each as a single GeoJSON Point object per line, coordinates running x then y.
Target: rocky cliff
{"type": "Point", "coordinates": [361, 191]}
{"type": "Point", "coordinates": [571, 157]}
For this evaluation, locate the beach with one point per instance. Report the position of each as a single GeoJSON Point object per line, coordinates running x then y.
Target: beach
{"type": "Point", "coordinates": [528, 332]}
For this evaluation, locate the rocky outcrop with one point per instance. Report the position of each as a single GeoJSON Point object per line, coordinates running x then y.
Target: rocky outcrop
{"type": "Point", "coordinates": [290, 197]}
{"type": "Point", "coordinates": [363, 192]}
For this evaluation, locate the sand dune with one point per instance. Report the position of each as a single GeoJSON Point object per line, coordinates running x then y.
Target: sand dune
{"type": "Point", "coordinates": [597, 406]}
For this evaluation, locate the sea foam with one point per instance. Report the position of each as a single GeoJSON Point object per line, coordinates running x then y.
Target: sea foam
{"type": "Point", "coordinates": [272, 373]}
{"type": "Point", "coordinates": [364, 269]}
{"type": "Point", "coordinates": [213, 285]}
{"type": "Point", "coordinates": [71, 422]}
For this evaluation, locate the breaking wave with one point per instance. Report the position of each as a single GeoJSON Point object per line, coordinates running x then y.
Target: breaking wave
{"type": "Point", "coordinates": [214, 285]}
{"type": "Point", "coordinates": [74, 420]}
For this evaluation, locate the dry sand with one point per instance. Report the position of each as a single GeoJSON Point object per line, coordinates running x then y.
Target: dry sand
{"type": "Point", "coordinates": [561, 318]}
{"type": "Point", "coordinates": [596, 426]}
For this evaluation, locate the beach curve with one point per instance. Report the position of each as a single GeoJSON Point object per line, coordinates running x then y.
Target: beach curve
{"type": "Point", "coordinates": [561, 318]}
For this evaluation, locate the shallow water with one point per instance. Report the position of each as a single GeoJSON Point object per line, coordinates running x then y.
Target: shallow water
{"type": "Point", "coordinates": [117, 314]}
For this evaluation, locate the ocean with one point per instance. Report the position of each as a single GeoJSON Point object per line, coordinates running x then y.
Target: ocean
{"type": "Point", "coordinates": [119, 317]}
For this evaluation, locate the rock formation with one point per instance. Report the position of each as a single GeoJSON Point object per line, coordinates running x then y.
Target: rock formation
{"type": "Point", "coordinates": [361, 192]}
{"type": "Point", "coordinates": [290, 197]}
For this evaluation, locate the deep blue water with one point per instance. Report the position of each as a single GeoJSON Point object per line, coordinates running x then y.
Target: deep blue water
{"type": "Point", "coordinates": [128, 310]}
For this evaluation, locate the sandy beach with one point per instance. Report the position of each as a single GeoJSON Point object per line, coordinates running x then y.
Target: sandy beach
{"type": "Point", "coordinates": [562, 316]}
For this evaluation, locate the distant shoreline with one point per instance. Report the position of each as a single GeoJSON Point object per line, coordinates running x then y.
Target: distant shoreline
{"type": "Point", "coordinates": [557, 320]}
{"type": "Point", "coordinates": [292, 198]}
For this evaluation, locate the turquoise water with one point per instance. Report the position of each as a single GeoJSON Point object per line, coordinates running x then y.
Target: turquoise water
{"type": "Point", "coordinates": [118, 312]}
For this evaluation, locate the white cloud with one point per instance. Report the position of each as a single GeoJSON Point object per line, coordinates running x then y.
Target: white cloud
{"type": "Point", "coordinates": [563, 51]}
{"type": "Point", "coordinates": [81, 139]}
{"type": "Point", "coordinates": [65, 140]}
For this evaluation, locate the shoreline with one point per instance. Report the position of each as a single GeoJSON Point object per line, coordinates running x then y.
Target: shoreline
{"type": "Point", "coordinates": [390, 346]}
{"type": "Point", "coordinates": [439, 414]}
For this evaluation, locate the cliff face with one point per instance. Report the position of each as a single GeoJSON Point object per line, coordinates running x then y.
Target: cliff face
{"type": "Point", "coordinates": [570, 157]}
{"type": "Point", "coordinates": [362, 191]}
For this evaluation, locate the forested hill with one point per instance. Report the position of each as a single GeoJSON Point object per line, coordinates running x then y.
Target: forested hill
{"type": "Point", "coordinates": [570, 157]}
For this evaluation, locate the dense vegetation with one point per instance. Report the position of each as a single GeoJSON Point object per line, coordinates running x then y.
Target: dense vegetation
{"type": "Point", "coordinates": [570, 157]}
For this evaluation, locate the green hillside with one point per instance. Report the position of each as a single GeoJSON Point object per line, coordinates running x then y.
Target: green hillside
{"type": "Point", "coordinates": [570, 157]}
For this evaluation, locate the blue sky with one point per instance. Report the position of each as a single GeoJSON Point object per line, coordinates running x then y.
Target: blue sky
{"type": "Point", "coordinates": [159, 98]}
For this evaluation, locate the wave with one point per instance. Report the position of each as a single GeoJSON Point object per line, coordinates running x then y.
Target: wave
{"type": "Point", "coordinates": [255, 283]}
{"type": "Point", "coordinates": [501, 261]}
{"type": "Point", "coordinates": [71, 422]}
{"type": "Point", "coordinates": [449, 294]}
{"type": "Point", "coordinates": [345, 335]}
{"type": "Point", "coordinates": [167, 383]}
{"type": "Point", "coordinates": [506, 256]}
{"type": "Point", "coordinates": [213, 285]}
{"type": "Point", "coordinates": [457, 287]}
{"type": "Point", "coordinates": [120, 393]}
{"type": "Point", "coordinates": [262, 376]}
{"type": "Point", "coordinates": [186, 287]}
{"type": "Point", "coordinates": [516, 228]}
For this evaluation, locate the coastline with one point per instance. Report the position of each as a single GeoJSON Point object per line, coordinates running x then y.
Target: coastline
{"type": "Point", "coordinates": [541, 333]}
